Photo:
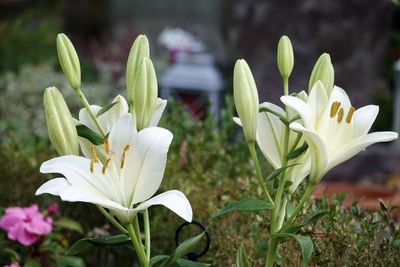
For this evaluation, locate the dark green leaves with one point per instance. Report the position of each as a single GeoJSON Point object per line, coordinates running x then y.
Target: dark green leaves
{"type": "Point", "coordinates": [87, 243]}
{"type": "Point", "coordinates": [246, 204]}
{"type": "Point", "coordinates": [277, 172]}
{"type": "Point", "coordinates": [106, 108]}
{"type": "Point", "coordinates": [241, 258]}
{"type": "Point", "coordinates": [297, 152]}
{"type": "Point", "coordinates": [305, 243]}
{"type": "Point", "coordinates": [86, 132]}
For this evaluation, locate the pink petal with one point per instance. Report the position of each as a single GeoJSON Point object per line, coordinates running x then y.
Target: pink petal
{"type": "Point", "coordinates": [15, 211]}
{"type": "Point", "coordinates": [32, 210]}
{"type": "Point", "coordinates": [8, 221]}
{"type": "Point", "coordinates": [19, 234]}
{"type": "Point", "coordinates": [39, 226]}
{"type": "Point", "coordinates": [53, 208]}
{"type": "Point", "coordinates": [13, 264]}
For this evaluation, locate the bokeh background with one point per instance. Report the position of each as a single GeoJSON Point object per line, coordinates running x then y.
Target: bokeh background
{"type": "Point", "coordinates": [362, 37]}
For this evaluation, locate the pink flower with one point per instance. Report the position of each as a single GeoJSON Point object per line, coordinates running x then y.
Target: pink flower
{"type": "Point", "coordinates": [25, 224]}
{"type": "Point", "coordinates": [13, 264]}
{"type": "Point", "coordinates": [53, 208]}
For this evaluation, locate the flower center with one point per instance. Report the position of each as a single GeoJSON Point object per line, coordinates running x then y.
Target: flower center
{"type": "Point", "coordinates": [336, 109]}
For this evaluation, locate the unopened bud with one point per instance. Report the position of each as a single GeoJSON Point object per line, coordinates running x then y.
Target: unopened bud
{"type": "Point", "coordinates": [285, 56]}
{"type": "Point", "coordinates": [145, 93]}
{"type": "Point", "coordinates": [246, 98]}
{"type": "Point", "coordinates": [69, 60]}
{"type": "Point", "coordinates": [323, 71]}
{"type": "Point", "coordinates": [139, 50]}
{"type": "Point", "coordinates": [60, 125]}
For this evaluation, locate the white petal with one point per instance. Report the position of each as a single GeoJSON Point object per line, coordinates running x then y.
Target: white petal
{"type": "Point", "coordinates": [108, 119]}
{"type": "Point", "coordinates": [85, 119]}
{"type": "Point", "coordinates": [158, 111]}
{"type": "Point", "coordinates": [145, 163]}
{"type": "Point", "coordinates": [302, 108]}
{"type": "Point", "coordinates": [363, 119]}
{"type": "Point", "coordinates": [318, 99]}
{"type": "Point", "coordinates": [273, 107]}
{"type": "Point", "coordinates": [121, 135]}
{"type": "Point", "coordinates": [77, 171]}
{"type": "Point", "coordinates": [173, 200]}
{"type": "Point", "coordinates": [237, 121]}
{"type": "Point", "coordinates": [269, 132]}
{"type": "Point", "coordinates": [338, 94]}
{"type": "Point", "coordinates": [319, 155]}
{"type": "Point", "coordinates": [357, 145]}
{"type": "Point", "coordinates": [54, 187]}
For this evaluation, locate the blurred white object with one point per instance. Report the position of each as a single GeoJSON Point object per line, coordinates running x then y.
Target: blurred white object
{"type": "Point", "coordinates": [177, 39]}
{"type": "Point", "coordinates": [396, 116]}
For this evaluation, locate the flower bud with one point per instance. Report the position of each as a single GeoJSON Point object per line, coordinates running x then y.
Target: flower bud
{"type": "Point", "coordinates": [139, 50]}
{"type": "Point", "coordinates": [285, 57]}
{"type": "Point", "coordinates": [145, 92]}
{"type": "Point", "coordinates": [323, 71]}
{"type": "Point", "coordinates": [246, 99]}
{"type": "Point", "coordinates": [60, 125]}
{"type": "Point", "coordinates": [69, 60]}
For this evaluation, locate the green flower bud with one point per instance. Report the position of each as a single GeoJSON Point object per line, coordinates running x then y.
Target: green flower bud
{"type": "Point", "coordinates": [323, 71]}
{"type": "Point", "coordinates": [139, 50]}
{"type": "Point", "coordinates": [69, 60]}
{"type": "Point", "coordinates": [246, 99]}
{"type": "Point", "coordinates": [60, 125]}
{"type": "Point", "coordinates": [145, 93]}
{"type": "Point", "coordinates": [285, 57]}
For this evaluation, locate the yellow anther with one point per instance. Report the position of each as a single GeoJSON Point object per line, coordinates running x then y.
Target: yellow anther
{"type": "Point", "coordinates": [105, 166]}
{"type": "Point", "coordinates": [92, 166]}
{"type": "Point", "coordinates": [334, 108]}
{"type": "Point", "coordinates": [340, 115]}
{"type": "Point", "coordinates": [123, 156]}
{"type": "Point", "coordinates": [106, 145]}
{"type": "Point", "coordinates": [350, 114]}
{"type": "Point", "coordinates": [94, 155]}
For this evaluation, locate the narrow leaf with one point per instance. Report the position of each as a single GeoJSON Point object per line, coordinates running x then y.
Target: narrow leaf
{"type": "Point", "coordinates": [158, 259]}
{"type": "Point", "coordinates": [86, 132]}
{"type": "Point", "coordinates": [70, 261]}
{"type": "Point", "coordinates": [183, 249]}
{"type": "Point", "coordinates": [88, 242]}
{"type": "Point", "coordinates": [241, 258]}
{"type": "Point", "coordinates": [188, 263]}
{"type": "Point", "coordinates": [106, 108]}
{"type": "Point", "coordinates": [297, 152]}
{"type": "Point", "coordinates": [277, 172]}
{"type": "Point", "coordinates": [293, 229]}
{"type": "Point", "coordinates": [69, 224]}
{"type": "Point", "coordinates": [305, 243]}
{"type": "Point", "coordinates": [246, 204]}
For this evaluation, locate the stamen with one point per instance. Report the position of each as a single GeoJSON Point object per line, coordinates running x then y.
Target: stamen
{"type": "Point", "coordinates": [92, 166]}
{"type": "Point", "coordinates": [123, 156]}
{"type": "Point", "coordinates": [340, 115]}
{"type": "Point", "coordinates": [94, 155]}
{"type": "Point", "coordinates": [106, 145]}
{"type": "Point", "coordinates": [350, 114]}
{"type": "Point", "coordinates": [334, 108]}
{"type": "Point", "coordinates": [105, 166]}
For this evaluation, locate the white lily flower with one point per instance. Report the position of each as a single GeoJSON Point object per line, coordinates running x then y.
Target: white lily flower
{"type": "Point", "coordinates": [108, 119]}
{"type": "Point", "coordinates": [126, 180]}
{"type": "Point", "coordinates": [334, 130]}
{"type": "Point", "coordinates": [270, 138]}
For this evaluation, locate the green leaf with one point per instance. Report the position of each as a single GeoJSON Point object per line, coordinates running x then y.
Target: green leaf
{"type": "Point", "coordinates": [157, 259]}
{"type": "Point", "coordinates": [246, 204]}
{"type": "Point", "coordinates": [293, 229]}
{"type": "Point", "coordinates": [32, 263]}
{"type": "Point", "coordinates": [183, 249]}
{"type": "Point", "coordinates": [241, 258]}
{"type": "Point", "coordinates": [188, 263]}
{"type": "Point", "coordinates": [297, 152]}
{"type": "Point", "coordinates": [70, 261]}
{"type": "Point", "coordinates": [87, 243]}
{"type": "Point", "coordinates": [277, 172]}
{"type": "Point", "coordinates": [86, 132]}
{"type": "Point", "coordinates": [305, 242]}
{"type": "Point", "coordinates": [106, 108]}
{"type": "Point", "coordinates": [69, 224]}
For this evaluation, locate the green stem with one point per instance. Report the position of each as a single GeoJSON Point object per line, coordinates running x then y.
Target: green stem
{"type": "Point", "coordinates": [253, 154]}
{"type": "Point", "coordinates": [89, 111]}
{"type": "Point", "coordinates": [272, 247]}
{"type": "Point", "coordinates": [137, 246]}
{"type": "Point", "coordinates": [282, 212]}
{"type": "Point", "coordinates": [303, 200]}
{"type": "Point", "coordinates": [112, 220]}
{"type": "Point", "coordinates": [137, 227]}
{"type": "Point", "coordinates": [147, 232]}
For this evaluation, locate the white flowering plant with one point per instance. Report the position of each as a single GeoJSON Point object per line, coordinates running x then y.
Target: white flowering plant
{"type": "Point", "coordinates": [115, 156]}
{"type": "Point", "coordinates": [314, 132]}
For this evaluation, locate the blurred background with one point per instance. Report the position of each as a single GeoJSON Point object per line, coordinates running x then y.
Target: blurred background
{"type": "Point", "coordinates": [194, 45]}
